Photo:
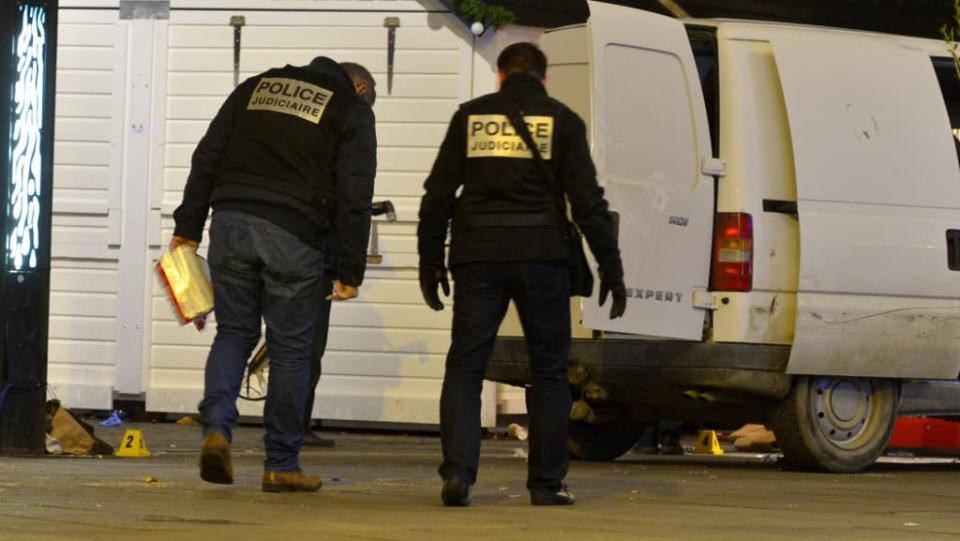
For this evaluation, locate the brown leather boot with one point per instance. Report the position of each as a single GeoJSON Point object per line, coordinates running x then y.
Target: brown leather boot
{"type": "Point", "coordinates": [290, 481]}
{"type": "Point", "coordinates": [215, 466]}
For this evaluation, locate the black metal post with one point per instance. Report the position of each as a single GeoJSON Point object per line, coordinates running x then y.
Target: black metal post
{"type": "Point", "coordinates": [28, 47]}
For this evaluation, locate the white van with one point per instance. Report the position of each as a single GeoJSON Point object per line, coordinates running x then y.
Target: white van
{"type": "Point", "coordinates": [789, 206]}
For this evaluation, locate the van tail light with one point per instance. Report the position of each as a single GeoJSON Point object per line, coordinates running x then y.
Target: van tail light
{"type": "Point", "coordinates": [733, 253]}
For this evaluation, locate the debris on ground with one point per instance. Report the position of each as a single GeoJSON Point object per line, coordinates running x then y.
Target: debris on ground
{"type": "Point", "coordinates": [53, 446]}
{"type": "Point", "coordinates": [74, 436]}
{"type": "Point", "coordinates": [148, 479]}
{"type": "Point", "coordinates": [518, 432]}
{"type": "Point", "coordinates": [753, 438]}
{"type": "Point", "coordinates": [520, 453]}
{"type": "Point", "coordinates": [115, 419]}
{"type": "Point", "coordinates": [188, 421]}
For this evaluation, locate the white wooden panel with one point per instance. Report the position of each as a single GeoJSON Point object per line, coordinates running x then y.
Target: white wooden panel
{"type": "Point", "coordinates": [392, 399]}
{"type": "Point", "coordinates": [387, 109]}
{"type": "Point", "coordinates": [81, 352]}
{"type": "Point", "coordinates": [83, 106]}
{"type": "Point", "coordinates": [85, 35]}
{"type": "Point", "coordinates": [312, 14]}
{"type": "Point", "coordinates": [84, 280]}
{"type": "Point", "coordinates": [75, 304]}
{"type": "Point", "coordinates": [404, 85]}
{"type": "Point", "coordinates": [386, 350]}
{"type": "Point", "coordinates": [87, 58]}
{"type": "Point", "coordinates": [390, 183]}
{"type": "Point", "coordinates": [81, 153]}
{"type": "Point", "coordinates": [83, 130]}
{"type": "Point", "coordinates": [67, 14]}
{"type": "Point", "coordinates": [397, 134]}
{"type": "Point", "coordinates": [81, 177]}
{"type": "Point", "coordinates": [82, 235]}
{"type": "Point", "coordinates": [406, 159]}
{"type": "Point", "coordinates": [311, 38]}
{"type": "Point", "coordinates": [72, 81]}
{"type": "Point", "coordinates": [388, 400]}
{"type": "Point", "coordinates": [220, 60]}
{"type": "Point", "coordinates": [72, 394]}
{"type": "Point", "coordinates": [389, 134]}
{"type": "Point", "coordinates": [77, 220]}
{"type": "Point", "coordinates": [83, 301]}
{"type": "Point", "coordinates": [76, 206]}
{"type": "Point", "coordinates": [87, 328]}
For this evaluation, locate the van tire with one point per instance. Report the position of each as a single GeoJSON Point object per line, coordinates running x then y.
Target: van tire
{"type": "Point", "coordinates": [835, 424]}
{"type": "Point", "coordinates": [602, 442]}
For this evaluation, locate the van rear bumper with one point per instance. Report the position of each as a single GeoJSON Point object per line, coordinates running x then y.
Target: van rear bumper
{"type": "Point", "coordinates": [751, 369]}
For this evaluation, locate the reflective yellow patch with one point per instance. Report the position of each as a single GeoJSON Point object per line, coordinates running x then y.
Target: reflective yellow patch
{"type": "Point", "coordinates": [493, 136]}
{"type": "Point", "coordinates": [291, 97]}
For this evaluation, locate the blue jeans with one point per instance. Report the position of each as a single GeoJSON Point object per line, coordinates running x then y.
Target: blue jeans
{"type": "Point", "coordinates": [260, 269]}
{"type": "Point", "coordinates": [482, 291]}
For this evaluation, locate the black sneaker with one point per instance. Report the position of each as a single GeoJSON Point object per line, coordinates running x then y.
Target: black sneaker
{"type": "Point", "coordinates": [312, 439]}
{"type": "Point", "coordinates": [560, 497]}
{"type": "Point", "coordinates": [455, 493]}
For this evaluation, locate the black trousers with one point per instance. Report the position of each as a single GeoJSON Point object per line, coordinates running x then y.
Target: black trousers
{"type": "Point", "coordinates": [541, 291]}
{"type": "Point", "coordinates": [319, 347]}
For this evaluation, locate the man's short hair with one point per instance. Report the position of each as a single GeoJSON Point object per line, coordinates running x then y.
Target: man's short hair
{"type": "Point", "coordinates": [361, 74]}
{"type": "Point", "coordinates": [523, 57]}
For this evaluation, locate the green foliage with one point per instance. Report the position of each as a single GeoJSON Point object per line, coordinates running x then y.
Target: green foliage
{"type": "Point", "coordinates": [495, 16]}
{"type": "Point", "coordinates": [951, 34]}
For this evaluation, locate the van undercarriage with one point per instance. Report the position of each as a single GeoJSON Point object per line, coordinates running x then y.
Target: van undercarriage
{"type": "Point", "coordinates": [664, 380]}
{"type": "Point", "coordinates": [824, 423]}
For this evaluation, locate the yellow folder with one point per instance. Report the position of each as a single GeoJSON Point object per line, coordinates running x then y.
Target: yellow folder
{"type": "Point", "coordinates": [187, 282]}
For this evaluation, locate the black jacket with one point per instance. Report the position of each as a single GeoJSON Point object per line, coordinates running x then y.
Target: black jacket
{"type": "Point", "coordinates": [506, 210]}
{"type": "Point", "coordinates": [228, 171]}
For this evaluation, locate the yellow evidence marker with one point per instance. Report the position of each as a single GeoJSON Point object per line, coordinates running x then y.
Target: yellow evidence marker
{"type": "Point", "coordinates": [708, 444]}
{"type": "Point", "coordinates": [132, 445]}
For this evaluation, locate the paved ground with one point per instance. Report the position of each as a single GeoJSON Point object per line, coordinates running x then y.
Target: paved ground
{"type": "Point", "coordinates": [384, 487]}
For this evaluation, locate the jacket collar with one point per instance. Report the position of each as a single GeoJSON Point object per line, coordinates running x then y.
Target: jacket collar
{"type": "Point", "coordinates": [328, 66]}
{"type": "Point", "coordinates": [522, 84]}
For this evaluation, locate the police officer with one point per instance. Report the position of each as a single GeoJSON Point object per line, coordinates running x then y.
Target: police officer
{"type": "Point", "coordinates": [366, 89]}
{"type": "Point", "coordinates": [290, 155]}
{"type": "Point", "coordinates": [508, 243]}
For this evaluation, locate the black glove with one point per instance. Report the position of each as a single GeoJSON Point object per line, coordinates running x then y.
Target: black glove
{"type": "Point", "coordinates": [429, 280]}
{"type": "Point", "coordinates": [619, 305]}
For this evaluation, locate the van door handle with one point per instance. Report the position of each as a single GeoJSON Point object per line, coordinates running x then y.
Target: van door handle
{"type": "Point", "coordinates": [780, 207]}
{"type": "Point", "coordinates": [953, 249]}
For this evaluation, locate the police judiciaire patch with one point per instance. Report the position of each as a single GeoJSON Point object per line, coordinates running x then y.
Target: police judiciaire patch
{"type": "Point", "coordinates": [290, 96]}
{"type": "Point", "coordinates": [493, 136]}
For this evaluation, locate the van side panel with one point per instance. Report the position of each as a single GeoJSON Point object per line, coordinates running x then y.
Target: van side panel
{"type": "Point", "coordinates": [755, 144]}
{"type": "Point", "coordinates": [878, 187]}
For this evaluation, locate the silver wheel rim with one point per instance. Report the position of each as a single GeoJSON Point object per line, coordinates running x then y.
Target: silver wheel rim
{"type": "Point", "coordinates": [843, 409]}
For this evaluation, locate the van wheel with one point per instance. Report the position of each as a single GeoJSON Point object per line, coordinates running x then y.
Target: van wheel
{"type": "Point", "coordinates": [835, 424]}
{"type": "Point", "coordinates": [602, 442]}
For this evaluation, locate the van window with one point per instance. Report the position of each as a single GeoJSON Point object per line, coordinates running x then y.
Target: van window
{"type": "Point", "coordinates": [649, 128]}
{"type": "Point", "coordinates": [703, 41]}
{"type": "Point", "coordinates": [950, 87]}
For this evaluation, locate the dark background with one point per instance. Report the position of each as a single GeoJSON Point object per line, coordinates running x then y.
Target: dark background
{"type": "Point", "coordinates": [911, 17]}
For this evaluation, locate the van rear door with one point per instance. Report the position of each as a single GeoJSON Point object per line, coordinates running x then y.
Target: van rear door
{"type": "Point", "coordinates": [651, 143]}
{"type": "Point", "coordinates": [878, 193]}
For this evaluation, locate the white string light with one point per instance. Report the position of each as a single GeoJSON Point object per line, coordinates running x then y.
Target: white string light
{"type": "Point", "coordinates": [25, 181]}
